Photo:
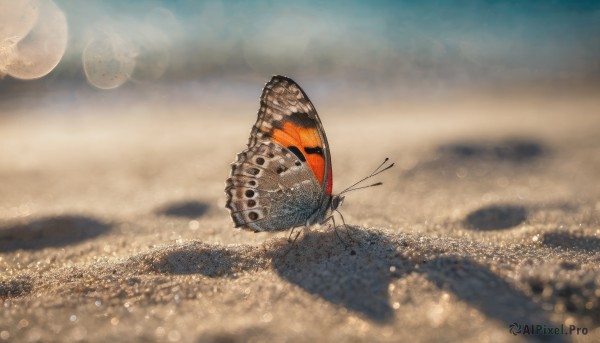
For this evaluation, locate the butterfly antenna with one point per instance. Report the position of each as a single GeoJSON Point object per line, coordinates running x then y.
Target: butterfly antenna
{"type": "Point", "coordinates": [381, 165]}
{"type": "Point", "coordinates": [361, 187]}
{"type": "Point", "coordinates": [380, 169]}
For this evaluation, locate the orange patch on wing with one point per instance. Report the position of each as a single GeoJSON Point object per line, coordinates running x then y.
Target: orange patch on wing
{"type": "Point", "coordinates": [302, 138]}
{"type": "Point", "coordinates": [329, 182]}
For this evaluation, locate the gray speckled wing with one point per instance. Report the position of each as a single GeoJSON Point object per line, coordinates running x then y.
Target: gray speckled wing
{"type": "Point", "coordinates": [270, 189]}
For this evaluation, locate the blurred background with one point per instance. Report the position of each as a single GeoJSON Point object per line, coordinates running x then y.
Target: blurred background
{"type": "Point", "coordinates": [112, 105]}
{"type": "Point", "coordinates": [396, 47]}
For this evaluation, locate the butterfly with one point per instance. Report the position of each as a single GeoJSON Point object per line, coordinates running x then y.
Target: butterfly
{"type": "Point", "coordinates": [284, 178]}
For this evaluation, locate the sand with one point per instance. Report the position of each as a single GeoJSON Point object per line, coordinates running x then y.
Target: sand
{"type": "Point", "coordinates": [113, 226]}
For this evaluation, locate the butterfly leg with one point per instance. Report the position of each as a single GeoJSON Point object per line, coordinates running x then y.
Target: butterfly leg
{"type": "Point", "coordinates": [292, 242]}
{"type": "Point", "coordinates": [290, 236]}
{"type": "Point", "coordinates": [295, 238]}
{"type": "Point", "coordinates": [332, 218]}
{"type": "Point", "coordinates": [346, 227]}
{"type": "Point", "coordinates": [337, 233]}
{"type": "Point", "coordinates": [333, 221]}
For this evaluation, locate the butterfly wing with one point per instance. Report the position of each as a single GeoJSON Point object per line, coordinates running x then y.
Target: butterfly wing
{"type": "Point", "coordinates": [270, 189]}
{"type": "Point", "coordinates": [284, 178]}
{"type": "Point", "coordinates": [287, 117]}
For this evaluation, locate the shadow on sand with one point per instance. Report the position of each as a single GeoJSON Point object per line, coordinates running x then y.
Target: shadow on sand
{"type": "Point", "coordinates": [506, 216]}
{"type": "Point", "coordinates": [484, 156]}
{"type": "Point", "coordinates": [357, 276]}
{"type": "Point", "coordinates": [515, 150]}
{"type": "Point", "coordinates": [496, 217]}
{"type": "Point", "coordinates": [202, 258]}
{"type": "Point", "coordinates": [185, 209]}
{"type": "Point", "coordinates": [478, 286]}
{"type": "Point", "coordinates": [570, 241]}
{"type": "Point", "coordinates": [46, 232]}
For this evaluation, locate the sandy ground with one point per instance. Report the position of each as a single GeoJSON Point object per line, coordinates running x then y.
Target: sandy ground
{"type": "Point", "coordinates": [113, 226]}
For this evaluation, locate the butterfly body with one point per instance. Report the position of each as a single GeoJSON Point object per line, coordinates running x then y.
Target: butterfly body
{"type": "Point", "coordinates": [284, 178]}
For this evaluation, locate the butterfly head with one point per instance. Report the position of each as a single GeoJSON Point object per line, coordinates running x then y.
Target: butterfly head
{"type": "Point", "coordinates": [336, 202]}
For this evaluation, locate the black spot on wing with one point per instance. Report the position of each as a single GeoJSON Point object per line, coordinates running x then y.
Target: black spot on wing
{"type": "Point", "coordinates": [299, 119]}
{"type": "Point", "coordinates": [297, 152]}
{"type": "Point", "coordinates": [302, 120]}
{"type": "Point", "coordinates": [316, 150]}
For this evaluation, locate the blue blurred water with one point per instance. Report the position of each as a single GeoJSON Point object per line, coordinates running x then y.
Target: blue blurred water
{"type": "Point", "coordinates": [422, 43]}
